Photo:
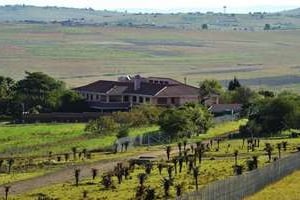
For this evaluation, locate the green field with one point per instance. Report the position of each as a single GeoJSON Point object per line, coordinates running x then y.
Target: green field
{"type": "Point", "coordinates": [285, 189]}
{"type": "Point", "coordinates": [39, 139]}
{"type": "Point", "coordinates": [79, 55]}
{"type": "Point", "coordinates": [215, 166]}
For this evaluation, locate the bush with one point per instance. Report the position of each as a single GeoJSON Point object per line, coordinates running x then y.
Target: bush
{"type": "Point", "coordinates": [103, 125]}
{"type": "Point", "coordinates": [123, 132]}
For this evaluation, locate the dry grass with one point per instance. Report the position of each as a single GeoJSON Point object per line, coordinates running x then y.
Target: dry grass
{"type": "Point", "coordinates": [79, 55]}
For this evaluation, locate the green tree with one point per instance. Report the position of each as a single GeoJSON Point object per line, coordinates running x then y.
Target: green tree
{"type": "Point", "coordinates": [102, 125]}
{"type": "Point", "coordinates": [267, 27]}
{"type": "Point", "coordinates": [39, 89]}
{"type": "Point", "coordinates": [234, 84]}
{"type": "Point", "coordinates": [210, 86]}
{"type": "Point", "coordinates": [7, 86]}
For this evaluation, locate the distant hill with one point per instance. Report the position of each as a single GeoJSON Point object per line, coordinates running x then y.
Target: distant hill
{"type": "Point", "coordinates": [80, 17]}
{"type": "Point", "coordinates": [294, 12]}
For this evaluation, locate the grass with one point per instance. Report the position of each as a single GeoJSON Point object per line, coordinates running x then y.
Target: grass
{"type": "Point", "coordinates": [39, 139]}
{"type": "Point", "coordinates": [86, 54]}
{"type": "Point", "coordinates": [285, 189]}
{"type": "Point", "coordinates": [216, 165]}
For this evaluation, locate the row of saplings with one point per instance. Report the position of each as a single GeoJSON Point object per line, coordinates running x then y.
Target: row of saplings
{"type": "Point", "coordinates": [186, 156]}
{"type": "Point", "coordinates": [6, 165]}
{"type": "Point", "coordinates": [190, 157]}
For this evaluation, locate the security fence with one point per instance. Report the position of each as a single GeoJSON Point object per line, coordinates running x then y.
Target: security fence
{"type": "Point", "coordinates": [239, 187]}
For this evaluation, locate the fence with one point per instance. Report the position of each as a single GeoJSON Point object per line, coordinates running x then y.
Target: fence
{"type": "Point", "coordinates": [239, 187]}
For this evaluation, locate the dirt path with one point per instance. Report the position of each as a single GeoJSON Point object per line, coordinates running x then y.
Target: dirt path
{"type": "Point", "coordinates": [67, 174]}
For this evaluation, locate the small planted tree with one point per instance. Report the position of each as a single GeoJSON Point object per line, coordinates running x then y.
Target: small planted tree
{"type": "Point", "coordinates": [76, 175]}
{"type": "Point", "coordinates": [74, 151]}
{"type": "Point", "coordinates": [255, 161]}
{"type": "Point", "coordinates": [148, 168]}
{"type": "Point", "coordinates": [10, 163]}
{"type": "Point", "coordinates": [175, 161]}
{"type": "Point", "coordinates": [150, 194]}
{"type": "Point", "coordinates": [184, 144]}
{"type": "Point", "coordinates": [94, 173]}
{"type": "Point", "coordinates": [178, 190]}
{"type": "Point", "coordinates": [269, 150]}
{"type": "Point", "coordinates": [236, 153]}
{"type": "Point", "coordinates": [170, 169]}
{"type": "Point", "coordinates": [180, 162]}
{"type": "Point", "coordinates": [166, 185]}
{"type": "Point", "coordinates": [179, 145]}
{"type": "Point", "coordinates": [195, 175]}
{"type": "Point", "coordinates": [160, 167]}
{"type": "Point", "coordinates": [6, 191]}
{"type": "Point", "coordinates": [284, 145]}
{"type": "Point", "coordinates": [85, 194]}
{"type": "Point", "coordinates": [279, 145]}
{"type": "Point", "coordinates": [168, 151]}
{"type": "Point", "coordinates": [142, 178]}
{"type": "Point", "coordinates": [107, 181]}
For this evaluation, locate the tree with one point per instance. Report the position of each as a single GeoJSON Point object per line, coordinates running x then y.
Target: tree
{"type": "Point", "coordinates": [166, 185]}
{"type": "Point", "coordinates": [210, 86]}
{"type": "Point", "coordinates": [94, 173]}
{"type": "Point", "coordinates": [234, 84]}
{"type": "Point", "coordinates": [102, 125]}
{"type": "Point", "coordinates": [195, 175]}
{"type": "Point", "coordinates": [6, 190]}
{"type": "Point", "coordinates": [77, 174]}
{"type": "Point", "coordinates": [168, 151]}
{"type": "Point", "coordinates": [236, 153]}
{"type": "Point", "coordinates": [204, 26]}
{"type": "Point", "coordinates": [123, 132]}
{"type": "Point", "coordinates": [7, 86]}
{"type": "Point", "coordinates": [70, 101]}
{"type": "Point", "coordinates": [267, 27]}
{"type": "Point", "coordinates": [39, 89]}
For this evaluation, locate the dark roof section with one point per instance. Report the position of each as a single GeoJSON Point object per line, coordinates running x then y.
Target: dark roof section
{"type": "Point", "coordinates": [118, 88]}
{"type": "Point", "coordinates": [220, 108]}
{"type": "Point", "coordinates": [178, 90]}
{"type": "Point", "coordinates": [146, 89]}
{"type": "Point", "coordinates": [101, 86]}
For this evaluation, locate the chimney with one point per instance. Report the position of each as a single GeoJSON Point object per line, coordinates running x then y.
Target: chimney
{"type": "Point", "coordinates": [137, 82]}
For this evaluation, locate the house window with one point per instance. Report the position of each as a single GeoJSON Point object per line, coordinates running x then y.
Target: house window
{"type": "Point", "coordinates": [166, 82]}
{"type": "Point", "coordinates": [151, 81]}
{"type": "Point", "coordinates": [87, 96]}
{"type": "Point", "coordinates": [172, 100]}
{"type": "Point", "coordinates": [126, 98]}
{"type": "Point", "coordinates": [156, 82]}
{"type": "Point", "coordinates": [115, 98]}
{"type": "Point", "coordinates": [97, 96]}
{"type": "Point", "coordinates": [134, 98]}
{"type": "Point", "coordinates": [162, 101]}
{"type": "Point", "coordinates": [147, 99]}
{"type": "Point", "coordinates": [161, 82]}
{"type": "Point", "coordinates": [92, 97]}
{"type": "Point", "coordinates": [141, 100]}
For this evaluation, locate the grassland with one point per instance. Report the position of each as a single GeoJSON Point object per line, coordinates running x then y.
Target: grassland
{"type": "Point", "coordinates": [215, 166]}
{"type": "Point", "coordinates": [39, 139]}
{"type": "Point", "coordinates": [285, 189]}
{"type": "Point", "coordinates": [79, 55]}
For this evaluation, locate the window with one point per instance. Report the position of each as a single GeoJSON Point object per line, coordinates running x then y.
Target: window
{"type": "Point", "coordinates": [92, 97]}
{"type": "Point", "coordinates": [134, 98]}
{"type": "Point", "coordinates": [126, 98]}
{"type": "Point", "coordinates": [87, 96]}
{"type": "Point", "coordinates": [147, 99]}
{"type": "Point", "coordinates": [151, 81]}
{"type": "Point", "coordinates": [162, 101]}
{"type": "Point", "coordinates": [161, 82]}
{"type": "Point", "coordinates": [172, 100]}
{"type": "Point", "coordinates": [97, 96]}
{"type": "Point", "coordinates": [141, 99]}
{"type": "Point", "coordinates": [115, 98]}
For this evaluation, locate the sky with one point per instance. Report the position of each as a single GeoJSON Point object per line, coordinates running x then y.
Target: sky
{"type": "Point", "coordinates": [233, 6]}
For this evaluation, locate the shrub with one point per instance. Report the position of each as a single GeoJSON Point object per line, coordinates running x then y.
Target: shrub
{"type": "Point", "coordinates": [103, 125]}
{"type": "Point", "coordinates": [123, 132]}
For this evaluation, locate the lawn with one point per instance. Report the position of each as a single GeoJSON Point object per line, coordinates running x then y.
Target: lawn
{"type": "Point", "coordinates": [39, 139]}
{"type": "Point", "coordinates": [285, 189]}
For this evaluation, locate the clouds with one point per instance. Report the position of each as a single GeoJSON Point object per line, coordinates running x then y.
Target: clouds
{"type": "Point", "coordinates": [166, 5]}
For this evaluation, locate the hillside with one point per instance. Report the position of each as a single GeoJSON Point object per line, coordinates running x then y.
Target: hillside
{"type": "Point", "coordinates": [292, 13]}
{"type": "Point", "coordinates": [79, 17]}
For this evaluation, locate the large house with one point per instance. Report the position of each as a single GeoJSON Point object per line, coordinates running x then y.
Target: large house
{"type": "Point", "coordinates": [128, 91]}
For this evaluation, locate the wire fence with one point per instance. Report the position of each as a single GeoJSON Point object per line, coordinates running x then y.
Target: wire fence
{"type": "Point", "coordinates": [239, 187]}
